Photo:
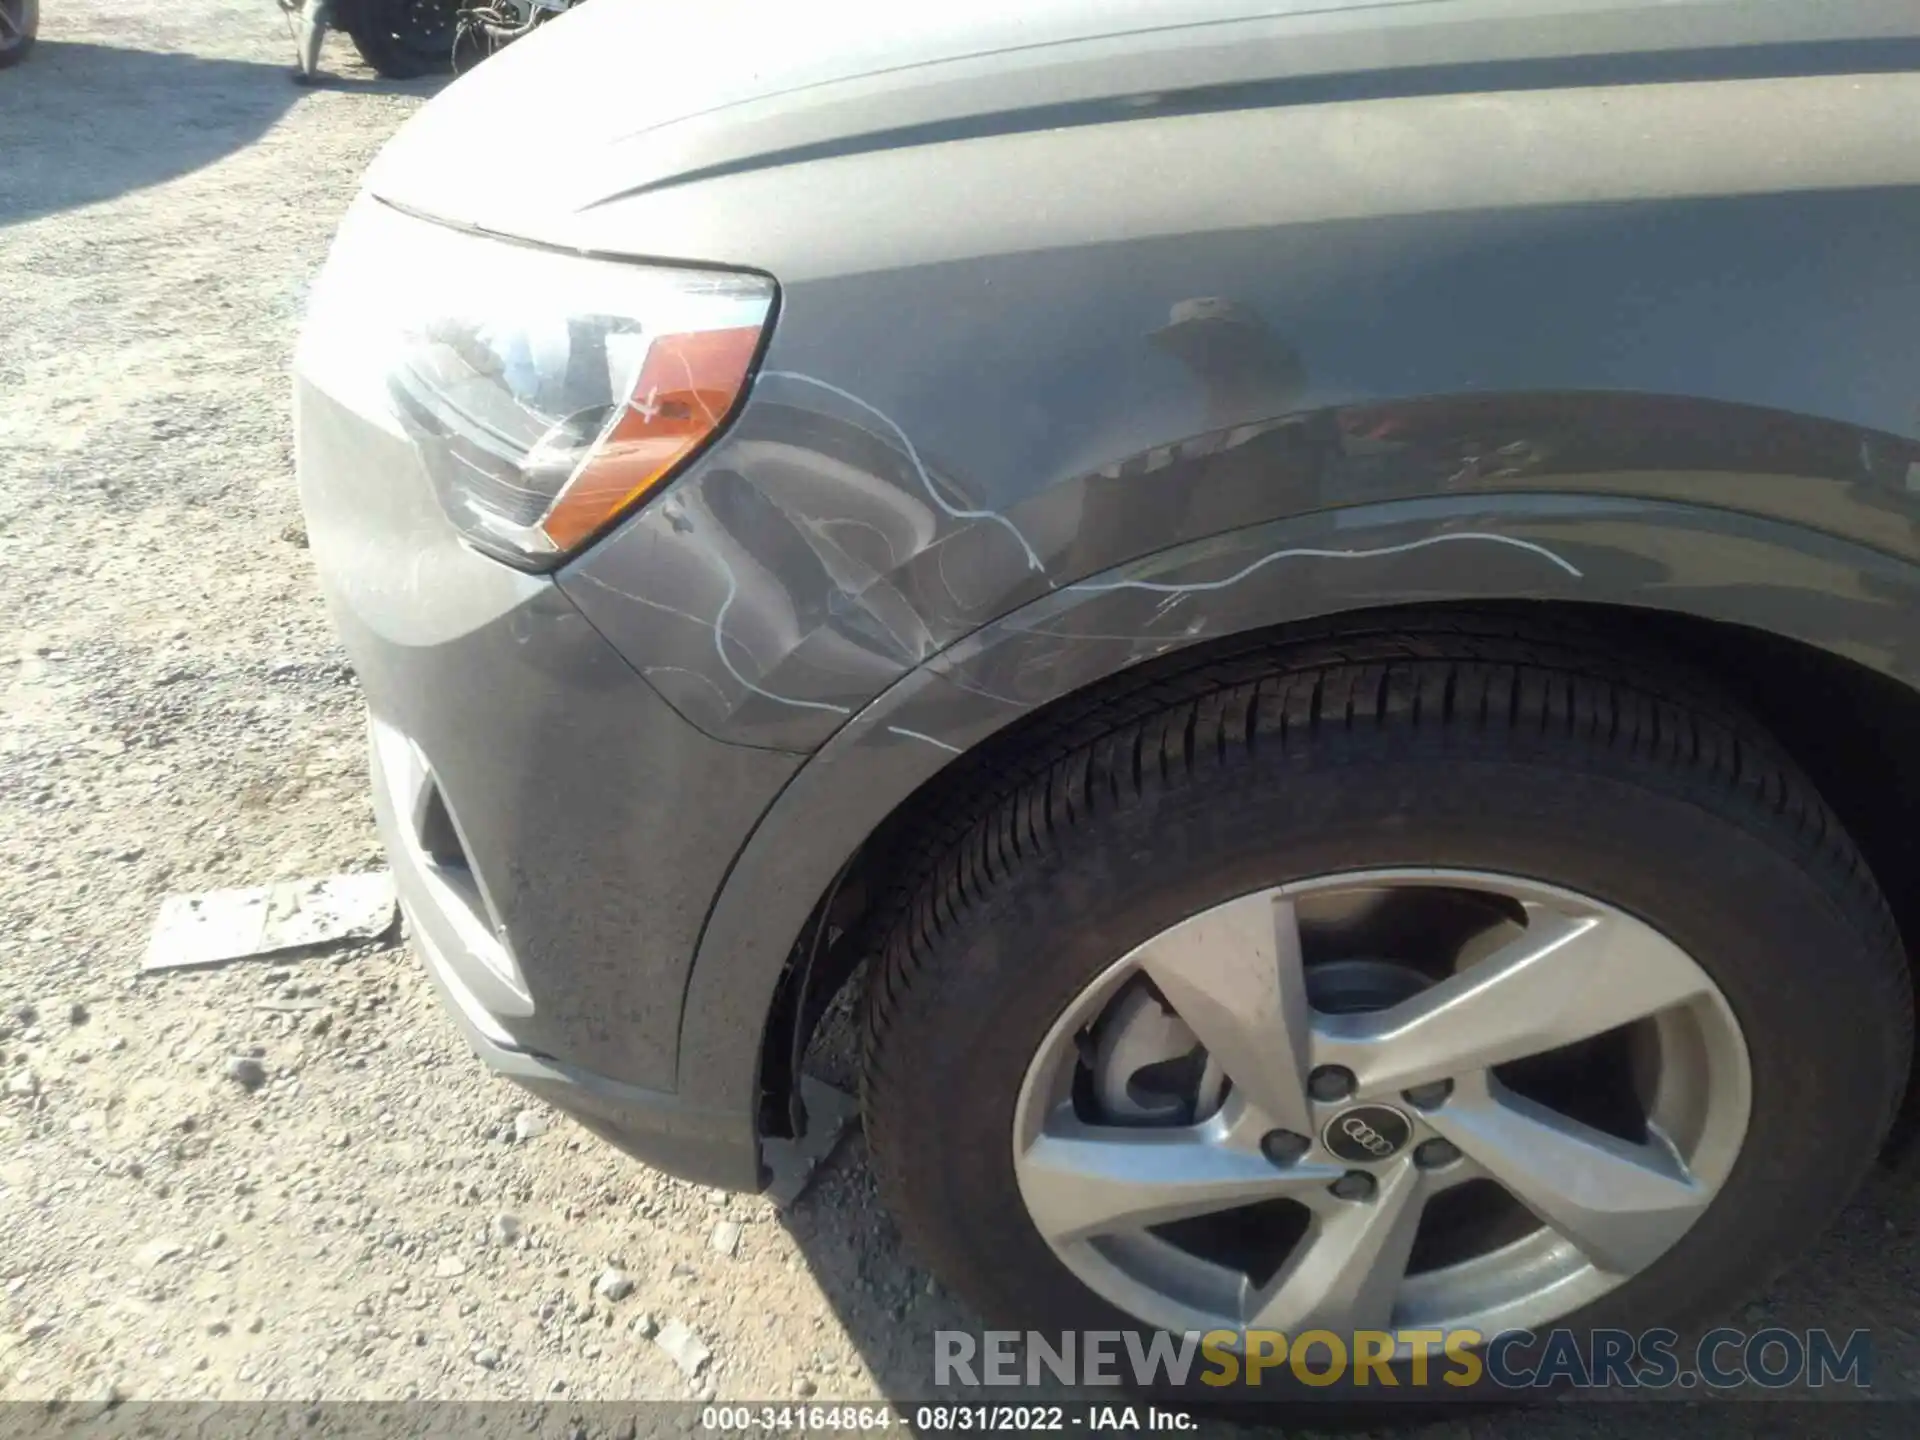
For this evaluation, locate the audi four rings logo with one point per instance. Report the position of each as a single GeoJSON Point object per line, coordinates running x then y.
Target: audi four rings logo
{"type": "Point", "coordinates": [1358, 1129]}
{"type": "Point", "coordinates": [1367, 1132]}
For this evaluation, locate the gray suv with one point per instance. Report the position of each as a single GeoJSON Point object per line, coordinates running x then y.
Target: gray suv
{"type": "Point", "coordinates": [1316, 601]}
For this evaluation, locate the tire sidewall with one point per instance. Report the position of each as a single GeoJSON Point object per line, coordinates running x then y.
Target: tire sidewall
{"type": "Point", "coordinates": [1730, 889]}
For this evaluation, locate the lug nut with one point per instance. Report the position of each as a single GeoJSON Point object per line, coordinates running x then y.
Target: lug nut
{"type": "Point", "coordinates": [1432, 1154]}
{"type": "Point", "coordinates": [1428, 1097]}
{"type": "Point", "coordinates": [1283, 1147]}
{"type": "Point", "coordinates": [1330, 1082]}
{"type": "Point", "coordinates": [1354, 1185]}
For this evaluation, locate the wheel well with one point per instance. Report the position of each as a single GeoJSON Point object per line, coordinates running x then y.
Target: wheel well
{"type": "Point", "coordinates": [1853, 731]}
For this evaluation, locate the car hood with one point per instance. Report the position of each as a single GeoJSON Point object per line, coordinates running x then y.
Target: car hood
{"type": "Point", "coordinates": [621, 97]}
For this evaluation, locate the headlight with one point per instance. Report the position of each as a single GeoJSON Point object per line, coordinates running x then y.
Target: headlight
{"type": "Point", "coordinates": [546, 394]}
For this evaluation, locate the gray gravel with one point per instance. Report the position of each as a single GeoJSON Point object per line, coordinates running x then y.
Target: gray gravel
{"type": "Point", "coordinates": [204, 1197]}
{"type": "Point", "coordinates": [174, 716]}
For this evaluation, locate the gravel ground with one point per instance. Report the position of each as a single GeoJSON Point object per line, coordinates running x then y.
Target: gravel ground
{"type": "Point", "coordinates": [378, 1218]}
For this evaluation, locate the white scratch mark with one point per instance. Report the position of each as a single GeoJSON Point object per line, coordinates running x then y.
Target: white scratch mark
{"type": "Point", "coordinates": [726, 701]}
{"type": "Point", "coordinates": [720, 649]}
{"type": "Point", "coordinates": [926, 479]}
{"type": "Point", "coordinates": [916, 735]}
{"type": "Point", "coordinates": [719, 639]}
{"type": "Point", "coordinates": [1315, 554]}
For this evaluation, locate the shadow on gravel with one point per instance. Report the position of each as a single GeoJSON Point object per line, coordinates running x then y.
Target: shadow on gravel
{"type": "Point", "coordinates": [82, 123]}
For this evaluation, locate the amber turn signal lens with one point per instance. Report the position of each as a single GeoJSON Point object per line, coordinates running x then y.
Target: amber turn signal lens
{"type": "Point", "coordinates": [687, 388]}
{"type": "Point", "coordinates": [542, 393]}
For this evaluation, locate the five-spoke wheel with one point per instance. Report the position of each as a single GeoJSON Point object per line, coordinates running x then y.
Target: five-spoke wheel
{"type": "Point", "coordinates": [1198, 1078]}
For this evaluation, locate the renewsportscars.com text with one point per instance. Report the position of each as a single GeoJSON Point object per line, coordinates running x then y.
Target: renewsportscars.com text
{"type": "Point", "coordinates": [1457, 1359]}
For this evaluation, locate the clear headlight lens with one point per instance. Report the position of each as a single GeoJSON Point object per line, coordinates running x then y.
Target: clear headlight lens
{"type": "Point", "coordinates": [546, 394]}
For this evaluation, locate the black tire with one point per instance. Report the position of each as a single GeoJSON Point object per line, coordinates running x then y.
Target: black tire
{"type": "Point", "coordinates": [404, 39]}
{"type": "Point", "coordinates": [1465, 744]}
{"type": "Point", "coordinates": [18, 31]}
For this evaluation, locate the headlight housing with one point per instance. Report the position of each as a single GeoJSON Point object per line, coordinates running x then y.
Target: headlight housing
{"type": "Point", "coordinates": [546, 394]}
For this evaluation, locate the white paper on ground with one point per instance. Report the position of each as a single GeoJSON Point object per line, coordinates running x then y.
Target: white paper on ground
{"type": "Point", "coordinates": [216, 926]}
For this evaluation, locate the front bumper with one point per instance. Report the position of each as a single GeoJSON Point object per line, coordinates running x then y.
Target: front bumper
{"type": "Point", "coordinates": [557, 831]}
{"type": "Point", "coordinates": [714, 1147]}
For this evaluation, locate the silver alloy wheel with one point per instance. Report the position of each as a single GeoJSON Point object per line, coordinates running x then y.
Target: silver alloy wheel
{"type": "Point", "coordinates": [1281, 1048]}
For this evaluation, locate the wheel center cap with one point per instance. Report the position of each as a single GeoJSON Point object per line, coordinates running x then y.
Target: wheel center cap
{"type": "Point", "coordinates": [1364, 1133]}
